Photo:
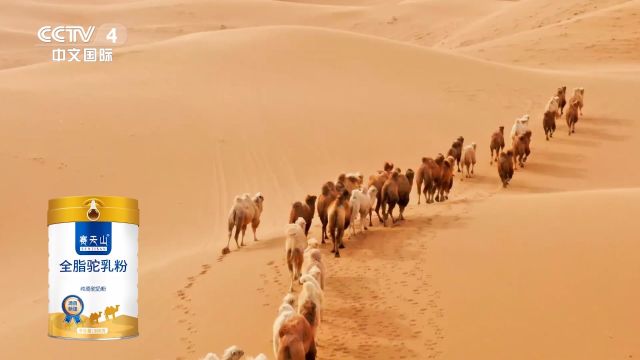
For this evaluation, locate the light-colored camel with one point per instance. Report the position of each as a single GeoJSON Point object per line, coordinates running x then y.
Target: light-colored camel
{"type": "Point", "coordinates": [469, 159]}
{"type": "Point", "coordinates": [578, 95]}
{"type": "Point", "coordinates": [285, 312]}
{"type": "Point", "coordinates": [295, 243]}
{"type": "Point", "coordinates": [245, 211]}
{"type": "Point", "coordinates": [311, 290]}
{"type": "Point", "coordinates": [361, 202]}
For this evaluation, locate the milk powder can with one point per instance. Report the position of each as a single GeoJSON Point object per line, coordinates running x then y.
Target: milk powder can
{"type": "Point", "coordinates": [93, 267]}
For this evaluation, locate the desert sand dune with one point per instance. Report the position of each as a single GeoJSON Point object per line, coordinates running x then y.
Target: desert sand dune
{"type": "Point", "coordinates": [188, 116]}
{"type": "Point", "coordinates": [597, 37]}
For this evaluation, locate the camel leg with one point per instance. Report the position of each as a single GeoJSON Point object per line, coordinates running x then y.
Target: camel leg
{"type": "Point", "coordinates": [370, 213]}
{"type": "Point", "coordinates": [238, 229]}
{"type": "Point", "coordinates": [244, 229]}
{"type": "Point", "coordinates": [340, 237]}
{"type": "Point", "coordinates": [378, 204]}
{"type": "Point", "coordinates": [229, 239]}
{"type": "Point", "coordinates": [254, 227]}
{"type": "Point", "coordinates": [393, 221]}
{"type": "Point", "coordinates": [472, 167]}
{"type": "Point", "coordinates": [311, 354]}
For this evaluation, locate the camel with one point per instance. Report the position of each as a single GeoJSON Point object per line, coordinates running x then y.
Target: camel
{"type": "Point", "coordinates": [350, 181]}
{"type": "Point", "coordinates": [297, 336]}
{"type": "Point", "coordinates": [521, 149]}
{"type": "Point", "coordinates": [362, 204]}
{"type": "Point", "coordinates": [245, 211]}
{"type": "Point", "coordinates": [94, 317]}
{"type": "Point", "coordinates": [578, 95]}
{"type": "Point", "coordinates": [405, 183]}
{"type": "Point", "coordinates": [285, 312]}
{"type": "Point", "coordinates": [378, 180]}
{"type": "Point", "coordinates": [549, 124]}
{"type": "Point", "coordinates": [553, 105]}
{"type": "Point", "coordinates": [311, 291]}
{"type": "Point", "coordinates": [497, 143]}
{"type": "Point", "coordinates": [572, 115]}
{"type": "Point", "coordinates": [295, 243]}
{"type": "Point", "coordinates": [429, 173]}
{"type": "Point", "coordinates": [520, 126]}
{"type": "Point", "coordinates": [304, 210]}
{"type": "Point", "coordinates": [562, 96]}
{"type": "Point", "coordinates": [505, 167]}
{"type": "Point", "coordinates": [313, 259]}
{"type": "Point", "coordinates": [390, 197]}
{"type": "Point", "coordinates": [111, 311]}
{"type": "Point", "coordinates": [456, 150]}
{"type": "Point", "coordinates": [446, 181]}
{"type": "Point", "coordinates": [469, 158]}
{"type": "Point", "coordinates": [338, 214]}
{"type": "Point", "coordinates": [328, 195]}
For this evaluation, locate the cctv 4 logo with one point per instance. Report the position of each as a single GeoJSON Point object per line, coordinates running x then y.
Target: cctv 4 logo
{"type": "Point", "coordinates": [71, 34]}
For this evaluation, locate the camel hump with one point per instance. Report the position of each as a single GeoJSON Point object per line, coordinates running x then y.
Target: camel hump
{"type": "Point", "coordinates": [297, 205]}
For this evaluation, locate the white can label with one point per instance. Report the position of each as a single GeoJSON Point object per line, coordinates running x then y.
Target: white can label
{"type": "Point", "coordinates": [93, 280]}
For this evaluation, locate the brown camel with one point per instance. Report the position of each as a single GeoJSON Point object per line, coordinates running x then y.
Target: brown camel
{"type": "Point", "coordinates": [304, 210]}
{"type": "Point", "coordinates": [297, 336]}
{"type": "Point", "coordinates": [405, 182]}
{"type": "Point", "coordinates": [549, 123]}
{"type": "Point", "coordinates": [429, 173]}
{"type": "Point", "coordinates": [497, 143]}
{"type": "Point", "coordinates": [339, 214]}
{"type": "Point", "coordinates": [572, 115]}
{"type": "Point", "coordinates": [562, 98]}
{"type": "Point", "coordinates": [521, 149]}
{"type": "Point", "coordinates": [328, 195]}
{"type": "Point", "coordinates": [446, 181]}
{"type": "Point", "coordinates": [390, 197]}
{"type": "Point", "coordinates": [378, 180]}
{"type": "Point", "coordinates": [505, 167]}
{"type": "Point", "coordinates": [456, 151]}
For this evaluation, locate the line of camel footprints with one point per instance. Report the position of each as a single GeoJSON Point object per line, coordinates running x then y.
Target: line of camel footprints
{"type": "Point", "coordinates": [108, 311]}
{"type": "Point", "coordinates": [347, 201]}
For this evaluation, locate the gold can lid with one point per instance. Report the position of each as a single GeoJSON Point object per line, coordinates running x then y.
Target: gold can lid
{"type": "Point", "coordinates": [93, 208]}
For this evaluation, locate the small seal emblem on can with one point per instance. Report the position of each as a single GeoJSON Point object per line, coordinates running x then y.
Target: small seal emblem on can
{"type": "Point", "coordinates": [72, 307]}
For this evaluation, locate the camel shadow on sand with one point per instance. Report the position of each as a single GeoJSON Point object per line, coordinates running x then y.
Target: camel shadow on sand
{"type": "Point", "coordinates": [554, 170]}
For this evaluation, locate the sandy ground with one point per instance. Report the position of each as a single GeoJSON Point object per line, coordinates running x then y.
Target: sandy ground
{"type": "Point", "coordinates": [210, 99]}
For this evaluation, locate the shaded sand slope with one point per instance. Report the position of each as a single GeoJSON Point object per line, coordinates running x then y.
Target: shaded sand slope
{"type": "Point", "coordinates": [542, 277]}
{"type": "Point", "coordinates": [186, 124]}
{"type": "Point", "coordinates": [593, 36]}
